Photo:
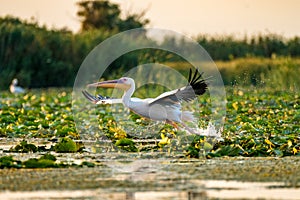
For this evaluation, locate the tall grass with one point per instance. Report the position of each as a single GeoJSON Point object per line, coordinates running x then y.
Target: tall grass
{"type": "Point", "coordinates": [279, 73]}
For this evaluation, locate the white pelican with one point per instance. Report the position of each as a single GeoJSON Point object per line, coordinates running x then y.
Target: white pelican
{"type": "Point", "coordinates": [166, 107]}
{"type": "Point", "coordinates": [14, 88]}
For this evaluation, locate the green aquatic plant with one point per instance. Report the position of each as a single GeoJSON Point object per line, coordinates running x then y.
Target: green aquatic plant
{"type": "Point", "coordinates": [39, 163]}
{"type": "Point", "coordinates": [126, 144]}
{"type": "Point", "coordinates": [66, 145]}
{"type": "Point", "coordinates": [48, 157]}
{"type": "Point", "coordinates": [45, 161]}
{"type": "Point", "coordinates": [259, 122]}
{"type": "Point", "coordinates": [9, 162]}
{"type": "Point", "coordinates": [24, 147]}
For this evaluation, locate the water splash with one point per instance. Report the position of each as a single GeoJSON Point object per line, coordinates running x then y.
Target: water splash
{"type": "Point", "coordinates": [210, 131]}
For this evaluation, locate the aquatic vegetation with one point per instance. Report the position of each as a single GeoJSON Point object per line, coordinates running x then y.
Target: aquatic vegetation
{"type": "Point", "coordinates": [164, 141]}
{"type": "Point", "coordinates": [48, 157]}
{"type": "Point", "coordinates": [39, 163]}
{"type": "Point", "coordinates": [126, 144]}
{"type": "Point", "coordinates": [259, 122]}
{"type": "Point", "coordinates": [45, 161]}
{"type": "Point", "coordinates": [39, 113]}
{"type": "Point", "coordinates": [24, 147]}
{"type": "Point", "coordinates": [9, 162]}
{"type": "Point", "coordinates": [65, 145]}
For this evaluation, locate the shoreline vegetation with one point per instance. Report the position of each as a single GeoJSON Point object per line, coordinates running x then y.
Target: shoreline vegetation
{"type": "Point", "coordinates": [259, 122]}
{"type": "Point", "coordinates": [40, 57]}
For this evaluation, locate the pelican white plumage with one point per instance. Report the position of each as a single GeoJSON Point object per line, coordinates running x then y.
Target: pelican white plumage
{"type": "Point", "coordinates": [166, 107]}
{"type": "Point", "coordinates": [14, 88]}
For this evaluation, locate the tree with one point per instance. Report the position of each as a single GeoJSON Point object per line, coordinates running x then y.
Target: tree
{"type": "Point", "coordinates": [106, 15]}
{"type": "Point", "coordinates": [133, 21]}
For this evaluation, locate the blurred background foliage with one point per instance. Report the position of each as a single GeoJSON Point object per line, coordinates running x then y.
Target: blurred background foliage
{"type": "Point", "coordinates": [42, 57]}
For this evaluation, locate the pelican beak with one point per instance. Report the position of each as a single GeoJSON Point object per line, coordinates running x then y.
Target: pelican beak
{"type": "Point", "coordinates": [110, 84]}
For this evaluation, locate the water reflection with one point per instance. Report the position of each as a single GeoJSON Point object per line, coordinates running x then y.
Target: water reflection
{"type": "Point", "coordinates": [210, 190]}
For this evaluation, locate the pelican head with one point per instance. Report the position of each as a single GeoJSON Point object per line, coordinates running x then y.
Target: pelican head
{"type": "Point", "coordinates": [15, 81]}
{"type": "Point", "coordinates": [123, 83]}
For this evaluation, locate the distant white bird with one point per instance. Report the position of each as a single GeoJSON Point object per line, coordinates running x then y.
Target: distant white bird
{"type": "Point", "coordinates": [14, 88]}
{"type": "Point", "coordinates": [166, 107]}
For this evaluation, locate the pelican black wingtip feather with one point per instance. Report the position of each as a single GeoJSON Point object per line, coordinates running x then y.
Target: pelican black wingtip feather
{"type": "Point", "coordinates": [92, 98]}
{"type": "Point", "coordinates": [197, 82]}
{"type": "Point", "coordinates": [89, 97]}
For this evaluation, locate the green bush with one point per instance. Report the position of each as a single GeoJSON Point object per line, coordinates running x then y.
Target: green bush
{"type": "Point", "coordinates": [24, 147]}
{"type": "Point", "coordinates": [9, 162]}
{"type": "Point", "coordinates": [39, 163]}
{"type": "Point", "coordinates": [48, 157]}
{"type": "Point", "coordinates": [65, 145]}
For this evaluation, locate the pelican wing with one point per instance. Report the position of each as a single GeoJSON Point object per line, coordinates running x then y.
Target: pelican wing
{"type": "Point", "coordinates": [99, 99]}
{"type": "Point", "coordinates": [196, 86]}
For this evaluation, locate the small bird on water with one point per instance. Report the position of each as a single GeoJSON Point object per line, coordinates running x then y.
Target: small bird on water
{"type": "Point", "coordinates": [14, 88]}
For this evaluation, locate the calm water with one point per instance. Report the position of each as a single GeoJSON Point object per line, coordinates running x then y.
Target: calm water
{"type": "Point", "coordinates": [153, 175]}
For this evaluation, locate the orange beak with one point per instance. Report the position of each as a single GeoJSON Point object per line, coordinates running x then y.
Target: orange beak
{"type": "Point", "coordinates": [111, 84]}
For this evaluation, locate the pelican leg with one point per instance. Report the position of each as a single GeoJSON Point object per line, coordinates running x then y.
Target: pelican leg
{"type": "Point", "coordinates": [173, 124]}
{"type": "Point", "coordinates": [188, 129]}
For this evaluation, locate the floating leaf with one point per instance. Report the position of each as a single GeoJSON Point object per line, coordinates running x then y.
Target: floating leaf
{"type": "Point", "coordinates": [65, 145]}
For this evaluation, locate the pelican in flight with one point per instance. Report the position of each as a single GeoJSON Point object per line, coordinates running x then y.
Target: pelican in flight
{"type": "Point", "coordinates": [166, 107]}
{"type": "Point", "coordinates": [14, 88]}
